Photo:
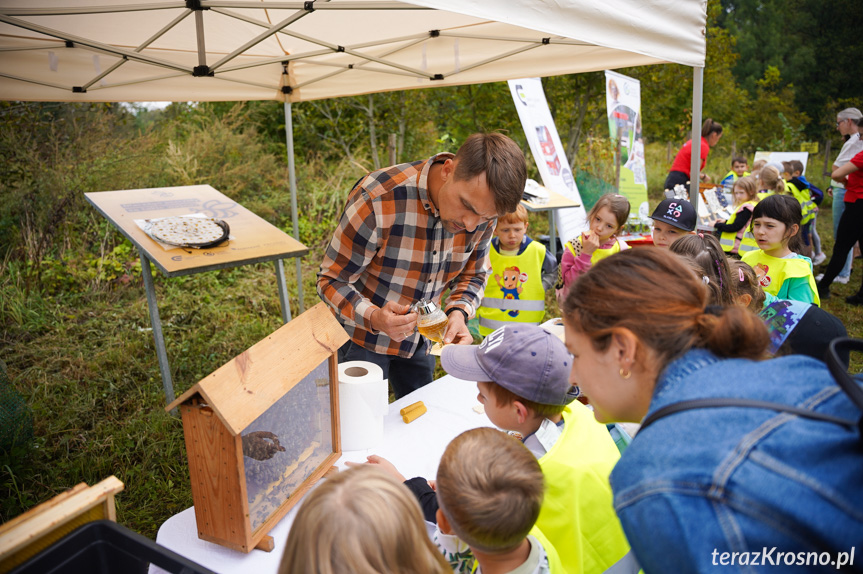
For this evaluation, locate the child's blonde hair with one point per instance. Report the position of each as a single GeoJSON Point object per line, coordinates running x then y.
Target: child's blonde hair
{"type": "Point", "coordinates": [490, 489]}
{"type": "Point", "coordinates": [617, 204]}
{"type": "Point", "coordinates": [360, 520]}
{"type": "Point", "coordinates": [517, 216]}
{"type": "Point", "coordinates": [746, 283]}
{"type": "Point", "coordinates": [756, 167]}
{"type": "Point", "coordinates": [771, 179]}
{"type": "Point", "coordinates": [748, 185]}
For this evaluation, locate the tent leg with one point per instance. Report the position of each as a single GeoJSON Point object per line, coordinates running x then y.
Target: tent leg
{"type": "Point", "coordinates": [695, 166]}
{"type": "Point", "coordinates": [292, 177]}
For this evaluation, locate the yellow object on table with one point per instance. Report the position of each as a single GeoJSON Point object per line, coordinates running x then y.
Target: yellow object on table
{"type": "Point", "coordinates": [414, 413]}
{"type": "Point", "coordinates": [411, 407]}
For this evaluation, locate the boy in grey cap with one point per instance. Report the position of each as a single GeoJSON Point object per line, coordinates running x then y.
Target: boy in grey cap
{"type": "Point", "coordinates": [522, 373]}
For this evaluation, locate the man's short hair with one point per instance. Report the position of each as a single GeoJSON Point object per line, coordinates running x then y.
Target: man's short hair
{"type": "Point", "coordinates": [503, 163]}
{"type": "Point", "coordinates": [849, 114]}
{"type": "Point", "coordinates": [490, 489]}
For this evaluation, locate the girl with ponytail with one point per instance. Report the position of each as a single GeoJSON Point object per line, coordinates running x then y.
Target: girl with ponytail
{"type": "Point", "coordinates": [699, 483]}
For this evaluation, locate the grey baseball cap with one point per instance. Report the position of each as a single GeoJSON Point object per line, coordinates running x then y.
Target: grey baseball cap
{"type": "Point", "coordinates": [524, 359]}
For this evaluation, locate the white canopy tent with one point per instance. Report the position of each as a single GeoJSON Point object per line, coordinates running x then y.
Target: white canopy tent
{"type": "Point", "coordinates": [292, 51]}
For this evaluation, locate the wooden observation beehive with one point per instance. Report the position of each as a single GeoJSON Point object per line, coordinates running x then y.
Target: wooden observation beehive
{"type": "Point", "coordinates": [262, 429]}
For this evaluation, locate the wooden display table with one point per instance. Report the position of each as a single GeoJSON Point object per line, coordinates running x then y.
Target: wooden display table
{"type": "Point", "coordinates": [252, 240]}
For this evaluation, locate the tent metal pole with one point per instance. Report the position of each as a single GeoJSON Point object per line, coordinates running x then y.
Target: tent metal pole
{"type": "Point", "coordinates": [695, 166]}
{"type": "Point", "coordinates": [292, 178]}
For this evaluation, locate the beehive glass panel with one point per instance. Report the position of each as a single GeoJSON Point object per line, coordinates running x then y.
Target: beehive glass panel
{"type": "Point", "coordinates": [285, 445]}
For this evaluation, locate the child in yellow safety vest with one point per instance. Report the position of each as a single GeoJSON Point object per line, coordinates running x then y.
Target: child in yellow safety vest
{"type": "Point", "coordinates": [521, 271]}
{"type": "Point", "coordinates": [781, 270]}
{"type": "Point", "coordinates": [739, 165]}
{"type": "Point", "coordinates": [734, 234]}
{"type": "Point", "coordinates": [522, 374]}
{"type": "Point", "coordinates": [604, 222]}
{"type": "Point", "coordinates": [770, 182]}
{"type": "Point", "coordinates": [795, 187]}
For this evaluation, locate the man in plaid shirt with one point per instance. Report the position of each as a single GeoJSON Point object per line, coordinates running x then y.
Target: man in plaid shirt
{"type": "Point", "coordinates": [409, 232]}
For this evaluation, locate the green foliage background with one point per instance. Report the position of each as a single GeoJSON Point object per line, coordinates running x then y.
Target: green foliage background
{"type": "Point", "coordinates": [74, 326]}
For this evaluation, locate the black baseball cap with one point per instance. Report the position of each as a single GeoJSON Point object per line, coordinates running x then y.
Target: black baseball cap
{"type": "Point", "coordinates": [675, 212]}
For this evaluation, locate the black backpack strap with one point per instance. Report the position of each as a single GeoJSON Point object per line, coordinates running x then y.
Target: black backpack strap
{"type": "Point", "coordinates": [720, 402]}
{"type": "Point", "coordinates": [843, 379]}
{"type": "Point", "coordinates": [837, 369]}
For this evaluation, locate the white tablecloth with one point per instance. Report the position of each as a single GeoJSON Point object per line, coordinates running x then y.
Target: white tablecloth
{"type": "Point", "coordinates": [414, 448]}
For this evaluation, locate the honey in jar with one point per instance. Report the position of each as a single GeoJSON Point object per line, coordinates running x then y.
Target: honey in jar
{"type": "Point", "coordinates": [431, 322]}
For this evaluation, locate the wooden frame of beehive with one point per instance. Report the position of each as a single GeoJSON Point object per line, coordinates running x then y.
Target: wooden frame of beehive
{"type": "Point", "coordinates": [262, 429]}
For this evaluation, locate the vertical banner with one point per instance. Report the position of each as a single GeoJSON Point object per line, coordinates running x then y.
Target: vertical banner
{"type": "Point", "coordinates": [547, 150]}
{"type": "Point", "coordinates": [623, 99]}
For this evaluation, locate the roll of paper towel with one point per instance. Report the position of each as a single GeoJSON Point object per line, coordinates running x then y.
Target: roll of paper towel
{"type": "Point", "coordinates": [362, 404]}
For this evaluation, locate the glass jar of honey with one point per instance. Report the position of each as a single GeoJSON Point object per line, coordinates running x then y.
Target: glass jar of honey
{"type": "Point", "coordinates": [432, 321]}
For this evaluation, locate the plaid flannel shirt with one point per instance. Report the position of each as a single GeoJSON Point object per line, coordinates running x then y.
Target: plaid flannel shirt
{"type": "Point", "coordinates": [390, 245]}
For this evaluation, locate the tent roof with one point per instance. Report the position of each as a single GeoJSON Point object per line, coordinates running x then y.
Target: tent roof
{"type": "Point", "coordinates": [149, 50]}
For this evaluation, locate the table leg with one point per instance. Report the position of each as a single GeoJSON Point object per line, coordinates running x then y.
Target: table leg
{"type": "Point", "coordinates": [283, 291]}
{"type": "Point", "coordinates": [552, 234]}
{"type": "Point", "coordinates": [156, 323]}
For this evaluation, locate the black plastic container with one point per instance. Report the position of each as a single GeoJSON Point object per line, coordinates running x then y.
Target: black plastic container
{"type": "Point", "coordinates": [106, 547]}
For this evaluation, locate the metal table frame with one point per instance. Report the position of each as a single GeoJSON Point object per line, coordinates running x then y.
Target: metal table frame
{"type": "Point", "coordinates": [556, 201]}
{"type": "Point", "coordinates": [146, 246]}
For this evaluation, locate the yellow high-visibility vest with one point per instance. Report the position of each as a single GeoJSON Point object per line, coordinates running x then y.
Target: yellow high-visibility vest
{"type": "Point", "coordinates": [502, 305]}
{"type": "Point", "coordinates": [774, 271]}
{"type": "Point", "coordinates": [742, 240]}
{"type": "Point", "coordinates": [577, 514]}
{"type": "Point", "coordinates": [807, 206]}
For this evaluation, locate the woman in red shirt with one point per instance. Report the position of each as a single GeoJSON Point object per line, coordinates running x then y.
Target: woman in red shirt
{"type": "Point", "coordinates": [679, 174]}
{"type": "Point", "coordinates": [850, 225]}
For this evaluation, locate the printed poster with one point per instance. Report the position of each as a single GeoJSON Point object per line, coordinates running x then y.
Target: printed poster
{"type": "Point", "coordinates": [547, 150]}
{"type": "Point", "coordinates": [623, 102]}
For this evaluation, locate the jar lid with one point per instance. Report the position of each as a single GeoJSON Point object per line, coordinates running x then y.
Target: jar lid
{"type": "Point", "coordinates": [424, 307]}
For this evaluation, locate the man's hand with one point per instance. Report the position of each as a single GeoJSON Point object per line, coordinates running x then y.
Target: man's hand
{"type": "Point", "coordinates": [457, 331]}
{"type": "Point", "coordinates": [394, 321]}
{"type": "Point", "coordinates": [381, 463]}
{"type": "Point", "coordinates": [589, 242]}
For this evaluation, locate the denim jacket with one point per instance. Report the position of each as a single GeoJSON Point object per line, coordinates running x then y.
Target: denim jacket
{"type": "Point", "coordinates": [700, 483]}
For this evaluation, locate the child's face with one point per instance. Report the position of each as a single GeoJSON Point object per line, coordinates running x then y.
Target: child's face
{"type": "Point", "coordinates": [511, 234]}
{"type": "Point", "coordinates": [770, 234]}
{"type": "Point", "coordinates": [786, 176]}
{"type": "Point", "coordinates": [739, 168]}
{"type": "Point", "coordinates": [740, 195]}
{"type": "Point", "coordinates": [501, 417]}
{"type": "Point", "coordinates": [664, 234]}
{"type": "Point", "coordinates": [604, 224]}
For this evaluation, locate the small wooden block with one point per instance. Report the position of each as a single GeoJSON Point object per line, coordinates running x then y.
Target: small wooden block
{"type": "Point", "coordinates": [266, 544]}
